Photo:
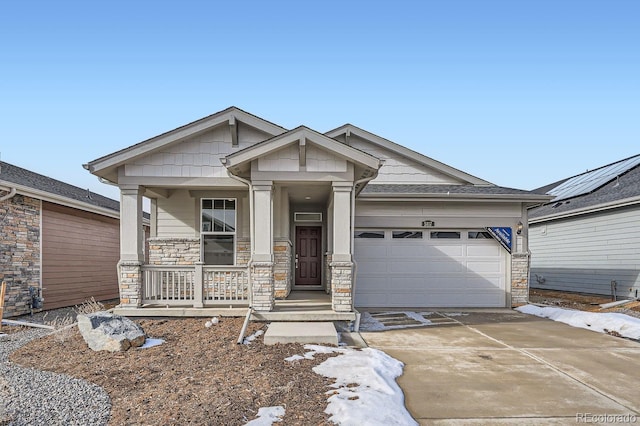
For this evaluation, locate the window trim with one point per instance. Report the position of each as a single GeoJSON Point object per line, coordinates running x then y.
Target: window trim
{"type": "Point", "coordinates": [234, 233]}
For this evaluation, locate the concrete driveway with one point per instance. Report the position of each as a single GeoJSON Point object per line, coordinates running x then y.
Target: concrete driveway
{"type": "Point", "coordinates": [504, 367]}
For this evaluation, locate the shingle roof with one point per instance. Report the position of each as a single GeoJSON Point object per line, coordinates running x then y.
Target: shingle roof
{"type": "Point", "coordinates": [413, 189]}
{"type": "Point", "coordinates": [622, 187]}
{"type": "Point", "coordinates": [24, 177]}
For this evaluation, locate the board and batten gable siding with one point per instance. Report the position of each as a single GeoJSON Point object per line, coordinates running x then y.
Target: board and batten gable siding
{"type": "Point", "coordinates": [176, 215]}
{"type": "Point", "coordinates": [198, 156]}
{"type": "Point", "coordinates": [398, 168]}
{"type": "Point", "coordinates": [80, 252]}
{"type": "Point", "coordinates": [585, 253]}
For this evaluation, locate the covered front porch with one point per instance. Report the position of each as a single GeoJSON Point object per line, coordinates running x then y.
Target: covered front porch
{"type": "Point", "coordinates": [240, 216]}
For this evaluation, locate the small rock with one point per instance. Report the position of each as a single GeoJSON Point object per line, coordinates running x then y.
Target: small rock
{"type": "Point", "coordinates": [104, 331]}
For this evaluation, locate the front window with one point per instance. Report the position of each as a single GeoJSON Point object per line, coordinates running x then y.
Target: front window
{"type": "Point", "coordinates": [218, 231]}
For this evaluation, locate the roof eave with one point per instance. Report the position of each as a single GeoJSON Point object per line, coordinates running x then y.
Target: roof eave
{"type": "Point", "coordinates": [586, 210]}
{"type": "Point", "coordinates": [534, 200]}
{"type": "Point", "coordinates": [64, 201]}
{"type": "Point", "coordinates": [251, 153]}
{"type": "Point", "coordinates": [118, 158]}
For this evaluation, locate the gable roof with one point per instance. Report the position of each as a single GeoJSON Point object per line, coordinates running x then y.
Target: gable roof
{"type": "Point", "coordinates": [106, 166]}
{"type": "Point", "coordinates": [302, 133]}
{"type": "Point", "coordinates": [615, 190]}
{"type": "Point", "coordinates": [348, 129]}
{"type": "Point", "coordinates": [45, 188]}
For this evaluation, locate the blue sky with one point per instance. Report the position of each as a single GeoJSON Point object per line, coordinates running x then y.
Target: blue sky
{"type": "Point", "coordinates": [520, 93]}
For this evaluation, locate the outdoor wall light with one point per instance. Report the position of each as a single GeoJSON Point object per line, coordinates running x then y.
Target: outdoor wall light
{"type": "Point", "coordinates": [519, 227]}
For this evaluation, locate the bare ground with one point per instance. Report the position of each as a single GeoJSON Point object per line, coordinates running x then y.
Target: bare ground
{"type": "Point", "coordinates": [579, 301]}
{"type": "Point", "coordinates": [199, 376]}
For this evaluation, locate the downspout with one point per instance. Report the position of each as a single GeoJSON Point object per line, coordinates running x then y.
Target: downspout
{"type": "Point", "coordinates": [12, 192]}
{"type": "Point", "coordinates": [353, 238]}
{"type": "Point", "coordinates": [251, 242]}
{"type": "Point", "coordinates": [251, 228]}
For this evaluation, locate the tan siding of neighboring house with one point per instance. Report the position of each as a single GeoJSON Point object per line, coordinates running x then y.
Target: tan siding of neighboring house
{"type": "Point", "coordinates": [80, 256]}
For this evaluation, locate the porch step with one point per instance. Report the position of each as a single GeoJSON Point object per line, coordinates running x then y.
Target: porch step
{"type": "Point", "coordinates": [301, 332]}
{"type": "Point", "coordinates": [279, 314]}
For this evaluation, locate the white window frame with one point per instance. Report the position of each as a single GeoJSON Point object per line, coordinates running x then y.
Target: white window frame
{"type": "Point", "coordinates": [234, 233]}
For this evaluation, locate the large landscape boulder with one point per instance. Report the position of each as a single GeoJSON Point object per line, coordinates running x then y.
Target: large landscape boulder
{"type": "Point", "coordinates": [104, 331]}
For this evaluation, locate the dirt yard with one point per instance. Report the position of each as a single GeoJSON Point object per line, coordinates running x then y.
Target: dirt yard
{"type": "Point", "coordinates": [579, 301]}
{"type": "Point", "coordinates": [199, 376]}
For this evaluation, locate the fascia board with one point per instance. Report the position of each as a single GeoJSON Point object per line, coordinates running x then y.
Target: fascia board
{"type": "Point", "coordinates": [294, 136]}
{"type": "Point", "coordinates": [586, 210]}
{"type": "Point", "coordinates": [456, 197]}
{"type": "Point", "coordinates": [408, 153]}
{"type": "Point", "coordinates": [176, 135]}
{"type": "Point", "coordinates": [64, 201]}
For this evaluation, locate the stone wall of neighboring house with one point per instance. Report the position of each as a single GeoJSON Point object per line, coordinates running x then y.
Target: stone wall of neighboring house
{"type": "Point", "coordinates": [19, 251]}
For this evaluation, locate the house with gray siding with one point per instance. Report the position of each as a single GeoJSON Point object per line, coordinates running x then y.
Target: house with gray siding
{"type": "Point", "coordinates": [58, 242]}
{"type": "Point", "coordinates": [247, 213]}
{"type": "Point", "coordinates": [587, 238]}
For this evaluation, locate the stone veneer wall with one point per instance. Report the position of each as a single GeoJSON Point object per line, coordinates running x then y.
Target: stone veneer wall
{"type": "Point", "coordinates": [327, 273]}
{"type": "Point", "coordinates": [130, 284]}
{"type": "Point", "coordinates": [174, 251]}
{"type": "Point", "coordinates": [19, 251]}
{"type": "Point", "coordinates": [186, 251]}
{"type": "Point", "coordinates": [519, 279]}
{"type": "Point", "coordinates": [282, 268]}
{"type": "Point", "coordinates": [341, 286]}
{"type": "Point", "coordinates": [262, 283]}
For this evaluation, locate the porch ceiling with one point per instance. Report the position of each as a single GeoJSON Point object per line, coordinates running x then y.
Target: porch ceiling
{"type": "Point", "coordinates": [316, 193]}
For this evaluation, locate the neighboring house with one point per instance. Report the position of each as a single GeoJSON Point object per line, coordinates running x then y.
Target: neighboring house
{"type": "Point", "coordinates": [244, 211]}
{"type": "Point", "coordinates": [57, 241]}
{"type": "Point", "coordinates": [588, 236]}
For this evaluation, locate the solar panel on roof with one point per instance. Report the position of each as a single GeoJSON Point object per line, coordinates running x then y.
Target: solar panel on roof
{"type": "Point", "coordinates": [587, 182]}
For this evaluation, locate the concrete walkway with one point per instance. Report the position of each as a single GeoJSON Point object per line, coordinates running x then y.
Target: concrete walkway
{"type": "Point", "coordinates": [503, 367]}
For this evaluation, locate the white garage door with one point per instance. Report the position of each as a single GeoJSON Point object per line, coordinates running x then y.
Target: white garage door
{"type": "Point", "coordinates": [429, 268]}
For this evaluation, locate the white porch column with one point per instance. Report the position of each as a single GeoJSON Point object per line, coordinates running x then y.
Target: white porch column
{"type": "Point", "coordinates": [131, 254]}
{"type": "Point", "coordinates": [341, 261]}
{"type": "Point", "coordinates": [262, 257]}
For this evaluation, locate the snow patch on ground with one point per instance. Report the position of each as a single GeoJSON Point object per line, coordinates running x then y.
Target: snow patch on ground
{"type": "Point", "coordinates": [602, 322]}
{"type": "Point", "coordinates": [370, 323]}
{"type": "Point", "coordinates": [268, 416]}
{"type": "Point", "coordinates": [365, 386]}
{"type": "Point", "coordinates": [149, 343]}
{"type": "Point", "coordinates": [247, 340]}
{"type": "Point", "coordinates": [455, 314]}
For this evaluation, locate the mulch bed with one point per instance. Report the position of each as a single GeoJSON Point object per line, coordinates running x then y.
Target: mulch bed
{"type": "Point", "coordinates": [199, 376]}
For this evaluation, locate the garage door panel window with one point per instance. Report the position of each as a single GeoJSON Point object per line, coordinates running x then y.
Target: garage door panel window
{"type": "Point", "coordinates": [369, 234]}
{"type": "Point", "coordinates": [407, 234]}
{"type": "Point", "coordinates": [445, 235]}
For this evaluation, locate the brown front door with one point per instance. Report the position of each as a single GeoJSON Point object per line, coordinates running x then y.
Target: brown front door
{"type": "Point", "coordinates": [308, 255]}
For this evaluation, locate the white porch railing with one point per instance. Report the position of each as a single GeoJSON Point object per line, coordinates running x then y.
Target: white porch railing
{"type": "Point", "coordinates": [196, 285]}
